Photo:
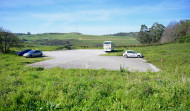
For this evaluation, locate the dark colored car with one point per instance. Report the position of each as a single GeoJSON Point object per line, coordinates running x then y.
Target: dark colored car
{"type": "Point", "coordinates": [33, 53]}
{"type": "Point", "coordinates": [23, 52]}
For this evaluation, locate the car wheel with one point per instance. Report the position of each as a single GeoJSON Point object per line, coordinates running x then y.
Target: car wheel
{"type": "Point", "coordinates": [138, 56]}
{"type": "Point", "coordinates": [30, 56]}
{"type": "Point", "coordinates": [125, 56]}
{"type": "Point", "coordinates": [40, 54]}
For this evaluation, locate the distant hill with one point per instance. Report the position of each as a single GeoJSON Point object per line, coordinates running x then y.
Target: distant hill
{"type": "Point", "coordinates": [76, 33]}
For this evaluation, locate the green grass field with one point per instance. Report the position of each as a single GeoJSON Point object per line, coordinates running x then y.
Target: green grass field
{"type": "Point", "coordinates": [83, 40]}
{"type": "Point", "coordinates": [28, 88]}
{"type": "Point", "coordinates": [60, 36]}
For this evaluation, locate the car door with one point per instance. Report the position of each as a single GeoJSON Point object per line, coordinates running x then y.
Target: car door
{"type": "Point", "coordinates": [36, 53]}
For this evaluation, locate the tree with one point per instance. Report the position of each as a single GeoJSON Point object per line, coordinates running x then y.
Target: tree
{"type": "Point", "coordinates": [175, 30]}
{"type": "Point", "coordinates": [152, 35]}
{"type": "Point", "coordinates": [156, 32]}
{"type": "Point", "coordinates": [183, 28]}
{"type": "Point", "coordinates": [7, 40]}
{"type": "Point", "coordinates": [170, 33]}
{"type": "Point", "coordinates": [143, 35]}
{"type": "Point", "coordinates": [28, 33]}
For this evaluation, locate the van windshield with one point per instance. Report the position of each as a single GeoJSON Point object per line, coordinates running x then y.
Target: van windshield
{"type": "Point", "coordinates": [107, 42]}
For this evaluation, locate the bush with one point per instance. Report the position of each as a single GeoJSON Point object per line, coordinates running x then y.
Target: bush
{"type": "Point", "coordinates": [184, 39]}
{"type": "Point", "coordinates": [187, 40]}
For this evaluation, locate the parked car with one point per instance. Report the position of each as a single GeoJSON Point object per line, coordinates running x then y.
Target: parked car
{"type": "Point", "coordinates": [33, 53]}
{"type": "Point", "coordinates": [23, 52]}
{"type": "Point", "coordinates": [130, 53]}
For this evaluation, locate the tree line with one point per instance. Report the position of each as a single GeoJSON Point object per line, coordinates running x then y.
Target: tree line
{"type": "Point", "coordinates": [158, 33]}
{"type": "Point", "coordinates": [28, 33]}
{"type": "Point", "coordinates": [133, 34]}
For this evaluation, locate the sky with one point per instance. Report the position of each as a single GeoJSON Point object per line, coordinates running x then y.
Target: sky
{"type": "Point", "coordinates": [96, 17]}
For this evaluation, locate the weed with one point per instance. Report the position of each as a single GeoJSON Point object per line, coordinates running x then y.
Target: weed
{"type": "Point", "coordinates": [39, 68]}
{"type": "Point", "coordinates": [122, 69]}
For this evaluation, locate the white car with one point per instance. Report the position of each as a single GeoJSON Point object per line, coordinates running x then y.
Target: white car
{"type": "Point", "coordinates": [130, 53]}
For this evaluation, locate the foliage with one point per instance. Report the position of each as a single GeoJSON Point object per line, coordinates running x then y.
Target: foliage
{"type": "Point", "coordinates": [183, 28]}
{"type": "Point", "coordinates": [7, 40]}
{"type": "Point", "coordinates": [30, 88]}
{"type": "Point", "coordinates": [152, 35]}
{"type": "Point", "coordinates": [184, 39]}
{"type": "Point", "coordinates": [143, 35]}
{"type": "Point", "coordinates": [156, 32]}
{"type": "Point", "coordinates": [175, 30]}
{"type": "Point", "coordinates": [133, 34]}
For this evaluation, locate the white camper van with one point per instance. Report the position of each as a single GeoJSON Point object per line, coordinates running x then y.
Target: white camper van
{"type": "Point", "coordinates": [108, 46]}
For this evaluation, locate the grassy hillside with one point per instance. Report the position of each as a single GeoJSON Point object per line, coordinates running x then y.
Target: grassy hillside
{"type": "Point", "coordinates": [28, 88]}
{"type": "Point", "coordinates": [60, 36]}
{"type": "Point", "coordinates": [79, 39]}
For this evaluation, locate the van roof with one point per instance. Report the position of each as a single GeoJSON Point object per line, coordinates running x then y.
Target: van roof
{"type": "Point", "coordinates": [108, 41]}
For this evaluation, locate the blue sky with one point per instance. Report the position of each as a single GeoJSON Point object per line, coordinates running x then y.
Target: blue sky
{"type": "Point", "coordinates": [95, 17]}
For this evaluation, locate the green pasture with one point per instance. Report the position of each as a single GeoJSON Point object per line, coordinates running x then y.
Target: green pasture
{"type": "Point", "coordinates": [60, 36]}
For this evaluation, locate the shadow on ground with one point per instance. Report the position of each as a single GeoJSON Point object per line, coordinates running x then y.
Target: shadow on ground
{"type": "Point", "coordinates": [115, 51]}
{"type": "Point", "coordinates": [40, 56]}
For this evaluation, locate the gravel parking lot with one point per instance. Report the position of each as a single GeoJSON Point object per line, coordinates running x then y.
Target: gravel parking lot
{"type": "Point", "coordinates": [90, 59]}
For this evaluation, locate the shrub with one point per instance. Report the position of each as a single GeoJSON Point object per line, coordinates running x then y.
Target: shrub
{"type": "Point", "coordinates": [184, 39]}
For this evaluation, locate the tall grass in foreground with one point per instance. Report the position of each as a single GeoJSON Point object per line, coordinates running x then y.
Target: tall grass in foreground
{"type": "Point", "coordinates": [28, 88]}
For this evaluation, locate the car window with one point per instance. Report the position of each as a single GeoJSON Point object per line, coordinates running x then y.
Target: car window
{"type": "Point", "coordinates": [31, 51]}
{"type": "Point", "coordinates": [26, 50]}
{"type": "Point", "coordinates": [38, 51]}
{"type": "Point", "coordinates": [128, 51]}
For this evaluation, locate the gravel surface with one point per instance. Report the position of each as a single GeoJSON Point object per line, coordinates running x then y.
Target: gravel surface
{"type": "Point", "coordinates": [90, 59]}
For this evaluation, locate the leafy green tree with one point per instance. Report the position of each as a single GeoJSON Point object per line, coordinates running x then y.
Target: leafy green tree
{"type": "Point", "coordinates": [7, 40]}
{"type": "Point", "coordinates": [143, 35]}
{"type": "Point", "coordinates": [28, 33]}
{"type": "Point", "coordinates": [152, 35]}
{"type": "Point", "coordinates": [156, 32]}
{"type": "Point", "coordinates": [183, 28]}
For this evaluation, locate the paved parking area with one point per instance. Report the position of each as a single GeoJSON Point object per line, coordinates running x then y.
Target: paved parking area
{"type": "Point", "coordinates": [90, 59]}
